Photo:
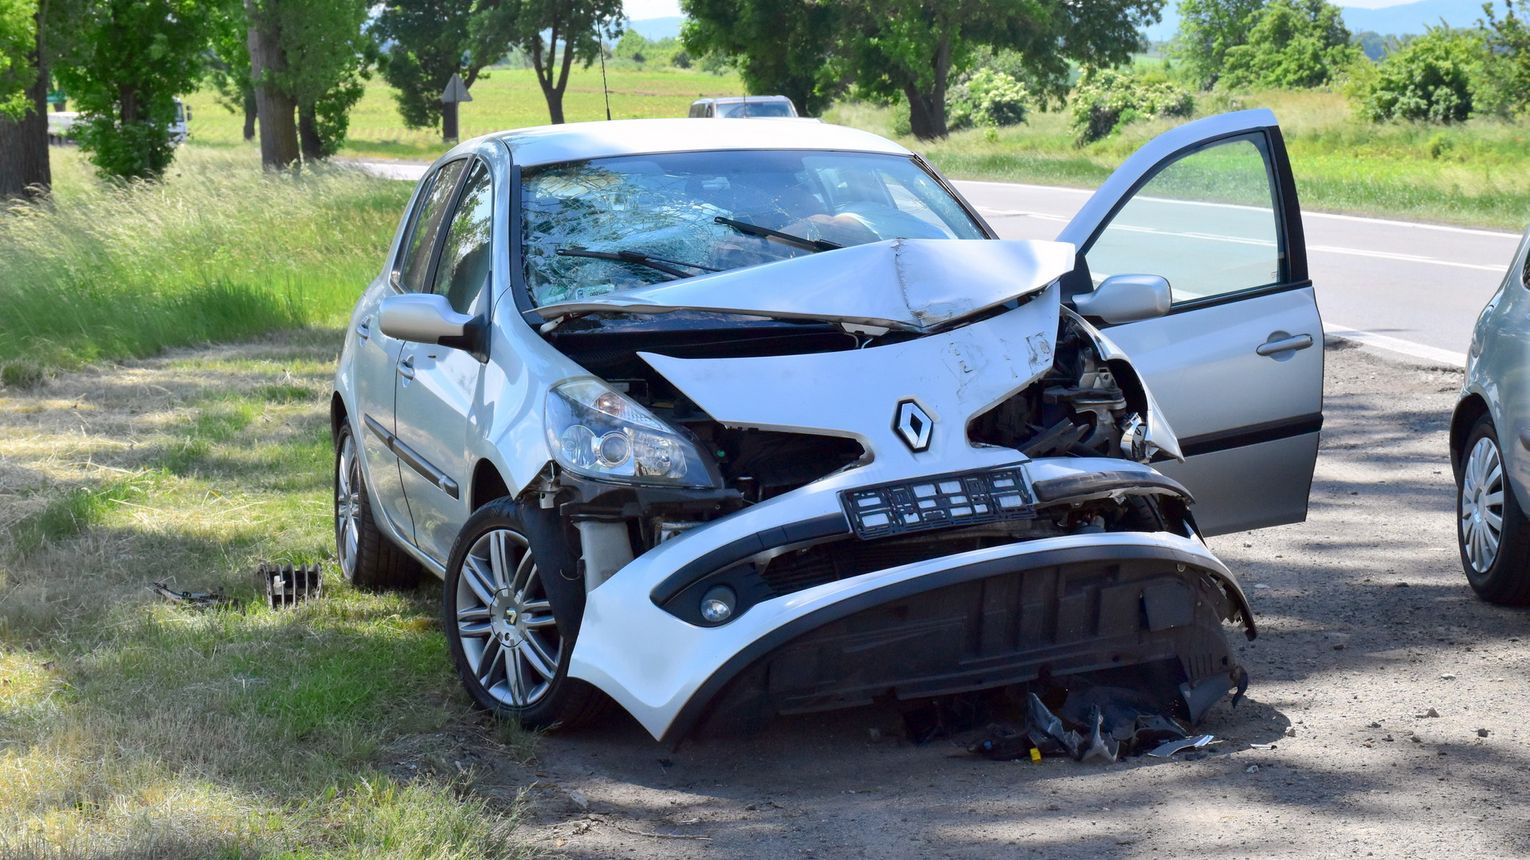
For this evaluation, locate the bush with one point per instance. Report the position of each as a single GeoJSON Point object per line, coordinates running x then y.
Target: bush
{"type": "Point", "coordinates": [1293, 44]}
{"type": "Point", "coordinates": [987, 98]}
{"type": "Point", "coordinates": [1106, 100]}
{"type": "Point", "coordinates": [1429, 80]}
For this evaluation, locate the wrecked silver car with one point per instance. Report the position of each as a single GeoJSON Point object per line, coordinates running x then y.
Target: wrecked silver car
{"type": "Point", "coordinates": [727, 420]}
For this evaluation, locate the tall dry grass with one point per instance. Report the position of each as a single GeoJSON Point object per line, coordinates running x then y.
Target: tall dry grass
{"type": "Point", "coordinates": [218, 250]}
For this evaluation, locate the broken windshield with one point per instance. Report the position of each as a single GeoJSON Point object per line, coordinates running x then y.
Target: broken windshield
{"type": "Point", "coordinates": [667, 207]}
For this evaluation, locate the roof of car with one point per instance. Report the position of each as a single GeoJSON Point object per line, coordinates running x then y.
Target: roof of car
{"type": "Point", "coordinates": [552, 144]}
{"type": "Point", "coordinates": [739, 99]}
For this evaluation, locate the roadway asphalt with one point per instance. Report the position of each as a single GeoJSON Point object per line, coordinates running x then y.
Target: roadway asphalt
{"type": "Point", "coordinates": [1398, 286]}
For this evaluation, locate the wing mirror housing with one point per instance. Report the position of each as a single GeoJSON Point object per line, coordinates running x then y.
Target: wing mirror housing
{"type": "Point", "coordinates": [1126, 298]}
{"type": "Point", "coordinates": [429, 318]}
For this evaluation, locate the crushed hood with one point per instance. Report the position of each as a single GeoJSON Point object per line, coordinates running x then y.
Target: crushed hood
{"type": "Point", "coordinates": [903, 284]}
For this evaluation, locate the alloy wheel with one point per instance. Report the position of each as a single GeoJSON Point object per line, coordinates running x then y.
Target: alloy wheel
{"type": "Point", "coordinates": [347, 506]}
{"type": "Point", "coordinates": [1482, 489]}
{"type": "Point", "coordinates": [505, 620]}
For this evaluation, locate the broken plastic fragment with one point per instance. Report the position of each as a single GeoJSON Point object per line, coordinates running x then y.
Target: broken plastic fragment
{"type": "Point", "coordinates": [1169, 748]}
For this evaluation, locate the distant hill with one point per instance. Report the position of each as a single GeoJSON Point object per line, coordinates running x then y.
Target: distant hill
{"type": "Point", "coordinates": [1414, 18]}
{"type": "Point", "coordinates": [1401, 20]}
{"type": "Point", "coordinates": [655, 29]}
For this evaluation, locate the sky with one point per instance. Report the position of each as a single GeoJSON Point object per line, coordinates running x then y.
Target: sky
{"type": "Point", "coordinates": [638, 10]}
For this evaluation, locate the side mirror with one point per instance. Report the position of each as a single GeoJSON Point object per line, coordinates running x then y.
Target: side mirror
{"type": "Point", "coordinates": [1126, 298]}
{"type": "Point", "coordinates": [428, 318]}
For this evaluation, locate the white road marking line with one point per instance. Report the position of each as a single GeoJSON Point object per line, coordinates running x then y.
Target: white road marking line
{"type": "Point", "coordinates": [1387, 343]}
{"type": "Point", "coordinates": [1322, 249]}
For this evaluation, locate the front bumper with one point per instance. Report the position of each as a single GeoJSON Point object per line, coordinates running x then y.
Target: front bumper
{"type": "Point", "coordinates": [974, 620]}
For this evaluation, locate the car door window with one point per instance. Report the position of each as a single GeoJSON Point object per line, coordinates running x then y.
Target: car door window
{"type": "Point", "coordinates": [414, 260]}
{"type": "Point", "coordinates": [466, 252]}
{"type": "Point", "coordinates": [1206, 222]}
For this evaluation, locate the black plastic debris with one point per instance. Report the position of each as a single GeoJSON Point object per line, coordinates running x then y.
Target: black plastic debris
{"type": "Point", "coordinates": [287, 586]}
{"type": "Point", "coordinates": [1095, 724]}
{"type": "Point", "coordinates": [190, 598]}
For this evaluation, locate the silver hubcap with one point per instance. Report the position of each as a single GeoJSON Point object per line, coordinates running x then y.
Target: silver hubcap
{"type": "Point", "coordinates": [1482, 505]}
{"type": "Point", "coordinates": [347, 506]}
{"type": "Point", "coordinates": [505, 620]}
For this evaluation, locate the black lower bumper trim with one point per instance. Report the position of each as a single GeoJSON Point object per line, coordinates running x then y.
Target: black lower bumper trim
{"type": "Point", "coordinates": [982, 625]}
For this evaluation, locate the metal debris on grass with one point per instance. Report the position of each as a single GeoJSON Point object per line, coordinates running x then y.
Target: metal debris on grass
{"type": "Point", "coordinates": [287, 586]}
{"type": "Point", "coordinates": [190, 598]}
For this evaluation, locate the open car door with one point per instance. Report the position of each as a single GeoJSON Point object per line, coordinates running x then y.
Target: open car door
{"type": "Point", "coordinates": [1236, 363]}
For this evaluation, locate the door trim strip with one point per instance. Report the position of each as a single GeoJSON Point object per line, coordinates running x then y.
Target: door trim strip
{"type": "Point", "coordinates": [1252, 434]}
{"type": "Point", "coordinates": [411, 458]}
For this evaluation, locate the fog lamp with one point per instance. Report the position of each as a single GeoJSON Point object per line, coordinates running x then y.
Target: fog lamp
{"type": "Point", "coordinates": [717, 604]}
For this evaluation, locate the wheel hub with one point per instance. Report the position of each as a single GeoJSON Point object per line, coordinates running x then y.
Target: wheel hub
{"type": "Point", "coordinates": [505, 617]}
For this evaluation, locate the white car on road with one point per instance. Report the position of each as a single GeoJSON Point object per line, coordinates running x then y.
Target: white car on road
{"type": "Point", "coordinates": [726, 420]}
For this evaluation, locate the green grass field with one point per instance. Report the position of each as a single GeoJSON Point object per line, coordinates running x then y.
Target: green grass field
{"type": "Point", "coordinates": [133, 728]}
{"type": "Point", "coordinates": [506, 98]}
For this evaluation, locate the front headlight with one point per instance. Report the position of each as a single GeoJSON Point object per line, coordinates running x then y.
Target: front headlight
{"type": "Point", "coordinates": [597, 432]}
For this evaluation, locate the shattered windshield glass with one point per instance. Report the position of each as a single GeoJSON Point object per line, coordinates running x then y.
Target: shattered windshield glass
{"type": "Point", "coordinates": [667, 207]}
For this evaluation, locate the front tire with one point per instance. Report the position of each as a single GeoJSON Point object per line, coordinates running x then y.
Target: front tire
{"type": "Point", "coordinates": [367, 558]}
{"type": "Point", "coordinates": [1491, 530]}
{"type": "Point", "coordinates": [511, 614]}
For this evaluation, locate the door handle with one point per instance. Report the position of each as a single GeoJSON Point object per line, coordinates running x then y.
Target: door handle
{"type": "Point", "coordinates": [406, 366]}
{"type": "Point", "coordinates": [364, 329]}
{"type": "Point", "coordinates": [1280, 342]}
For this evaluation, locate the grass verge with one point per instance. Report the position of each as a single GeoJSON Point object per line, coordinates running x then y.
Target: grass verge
{"type": "Point", "coordinates": [132, 728]}
{"type": "Point", "coordinates": [217, 251]}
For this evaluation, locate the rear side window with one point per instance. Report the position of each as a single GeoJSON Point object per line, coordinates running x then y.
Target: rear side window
{"type": "Point", "coordinates": [425, 224]}
{"type": "Point", "coordinates": [467, 252]}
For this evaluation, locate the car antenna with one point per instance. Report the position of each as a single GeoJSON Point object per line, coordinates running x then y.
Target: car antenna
{"type": "Point", "coordinates": [605, 90]}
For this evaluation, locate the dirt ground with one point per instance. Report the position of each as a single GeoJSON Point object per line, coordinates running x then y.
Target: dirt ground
{"type": "Point", "coordinates": [1367, 626]}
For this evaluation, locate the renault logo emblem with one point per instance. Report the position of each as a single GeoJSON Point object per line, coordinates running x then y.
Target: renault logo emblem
{"type": "Point", "coordinates": [914, 425]}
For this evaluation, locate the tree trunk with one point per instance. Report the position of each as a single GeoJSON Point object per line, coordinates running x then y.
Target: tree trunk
{"type": "Point", "coordinates": [278, 131]}
{"type": "Point", "coordinates": [927, 109]}
{"type": "Point", "coordinates": [249, 113]}
{"type": "Point", "coordinates": [926, 116]}
{"type": "Point", "coordinates": [552, 93]}
{"type": "Point", "coordinates": [24, 168]}
{"type": "Point", "coordinates": [308, 134]}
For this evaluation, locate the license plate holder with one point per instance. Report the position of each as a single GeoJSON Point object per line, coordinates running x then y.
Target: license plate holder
{"type": "Point", "coordinates": [938, 502]}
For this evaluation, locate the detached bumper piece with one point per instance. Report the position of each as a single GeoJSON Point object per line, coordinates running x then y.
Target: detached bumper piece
{"type": "Point", "coordinates": [287, 586]}
{"type": "Point", "coordinates": [976, 629]}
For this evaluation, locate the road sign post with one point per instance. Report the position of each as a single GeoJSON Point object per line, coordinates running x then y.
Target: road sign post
{"type": "Point", "coordinates": [455, 93]}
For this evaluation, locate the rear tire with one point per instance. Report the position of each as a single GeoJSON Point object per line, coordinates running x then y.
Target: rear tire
{"type": "Point", "coordinates": [1491, 530]}
{"type": "Point", "coordinates": [367, 558]}
{"type": "Point", "coordinates": [511, 608]}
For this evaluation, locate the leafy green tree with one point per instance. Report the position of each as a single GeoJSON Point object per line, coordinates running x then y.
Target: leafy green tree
{"type": "Point", "coordinates": [913, 47]}
{"type": "Point", "coordinates": [781, 48]}
{"type": "Point", "coordinates": [1505, 84]}
{"type": "Point", "coordinates": [24, 168]}
{"type": "Point", "coordinates": [130, 60]}
{"type": "Point", "coordinates": [430, 42]}
{"type": "Point", "coordinates": [1430, 79]}
{"type": "Point", "coordinates": [575, 29]}
{"type": "Point", "coordinates": [312, 57]}
{"type": "Point", "coordinates": [229, 65]}
{"type": "Point", "coordinates": [1207, 29]}
{"type": "Point", "coordinates": [18, 41]}
{"type": "Point", "coordinates": [1293, 44]}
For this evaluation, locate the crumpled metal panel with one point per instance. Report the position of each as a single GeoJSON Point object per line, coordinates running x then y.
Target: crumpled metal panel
{"type": "Point", "coordinates": [903, 284]}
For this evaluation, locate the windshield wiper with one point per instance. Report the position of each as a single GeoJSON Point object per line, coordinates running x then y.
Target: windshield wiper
{"type": "Point", "coordinates": [638, 258]}
{"type": "Point", "coordinates": [788, 238]}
